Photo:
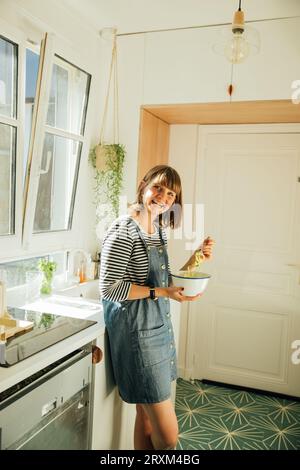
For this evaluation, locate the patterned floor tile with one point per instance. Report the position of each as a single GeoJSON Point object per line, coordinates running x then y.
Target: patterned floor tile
{"type": "Point", "coordinates": [218, 417]}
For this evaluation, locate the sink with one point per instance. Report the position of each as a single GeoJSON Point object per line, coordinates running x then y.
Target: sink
{"type": "Point", "coordinates": [80, 301]}
{"type": "Point", "coordinates": [86, 290]}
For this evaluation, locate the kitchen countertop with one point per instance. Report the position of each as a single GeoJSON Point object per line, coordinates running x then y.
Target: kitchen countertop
{"type": "Point", "coordinates": [14, 374]}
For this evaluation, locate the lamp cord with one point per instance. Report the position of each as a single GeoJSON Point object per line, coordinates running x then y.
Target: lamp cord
{"type": "Point", "coordinates": [230, 88]}
{"type": "Point", "coordinates": [240, 5]}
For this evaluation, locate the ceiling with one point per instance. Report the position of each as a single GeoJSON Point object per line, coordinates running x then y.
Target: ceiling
{"type": "Point", "coordinates": [148, 15]}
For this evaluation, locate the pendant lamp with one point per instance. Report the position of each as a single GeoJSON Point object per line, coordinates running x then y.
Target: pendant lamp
{"type": "Point", "coordinates": [237, 41]}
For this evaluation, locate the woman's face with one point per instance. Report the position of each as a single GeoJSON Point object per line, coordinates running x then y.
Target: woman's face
{"type": "Point", "coordinates": [158, 198]}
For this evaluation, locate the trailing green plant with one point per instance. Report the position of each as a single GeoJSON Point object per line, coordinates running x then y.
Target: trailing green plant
{"type": "Point", "coordinates": [108, 163]}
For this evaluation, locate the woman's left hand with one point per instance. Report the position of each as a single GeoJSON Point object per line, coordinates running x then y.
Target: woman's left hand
{"type": "Point", "coordinates": [180, 297]}
{"type": "Point", "coordinates": [207, 247]}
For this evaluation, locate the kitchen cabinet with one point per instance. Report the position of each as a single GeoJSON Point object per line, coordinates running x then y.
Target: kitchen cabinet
{"type": "Point", "coordinates": [181, 67]}
{"type": "Point", "coordinates": [113, 419]}
{"type": "Point", "coordinates": [55, 406]}
{"type": "Point", "coordinates": [269, 74]}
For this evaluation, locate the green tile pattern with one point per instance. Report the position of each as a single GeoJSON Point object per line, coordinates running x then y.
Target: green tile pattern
{"type": "Point", "coordinates": [222, 418]}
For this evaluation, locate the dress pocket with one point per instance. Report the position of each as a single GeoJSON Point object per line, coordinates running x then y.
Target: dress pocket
{"type": "Point", "coordinates": [154, 345]}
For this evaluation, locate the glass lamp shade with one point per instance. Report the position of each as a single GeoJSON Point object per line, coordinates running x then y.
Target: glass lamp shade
{"type": "Point", "coordinates": [237, 49]}
{"type": "Point", "coordinates": [236, 46]}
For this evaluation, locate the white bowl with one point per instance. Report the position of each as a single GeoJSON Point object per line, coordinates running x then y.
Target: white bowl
{"type": "Point", "coordinates": [193, 282]}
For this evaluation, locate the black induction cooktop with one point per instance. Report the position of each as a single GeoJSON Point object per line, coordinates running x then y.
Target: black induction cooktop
{"type": "Point", "coordinates": [47, 329]}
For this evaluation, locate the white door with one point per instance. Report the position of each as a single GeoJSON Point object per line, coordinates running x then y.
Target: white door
{"type": "Point", "coordinates": [241, 331]}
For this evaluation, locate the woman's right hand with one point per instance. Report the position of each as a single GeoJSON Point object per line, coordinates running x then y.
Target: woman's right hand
{"type": "Point", "coordinates": [177, 293]}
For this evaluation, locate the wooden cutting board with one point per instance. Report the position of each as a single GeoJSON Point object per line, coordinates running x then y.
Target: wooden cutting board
{"type": "Point", "coordinates": [10, 327]}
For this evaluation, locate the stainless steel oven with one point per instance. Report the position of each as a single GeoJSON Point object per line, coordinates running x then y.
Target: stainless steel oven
{"type": "Point", "coordinates": [52, 408]}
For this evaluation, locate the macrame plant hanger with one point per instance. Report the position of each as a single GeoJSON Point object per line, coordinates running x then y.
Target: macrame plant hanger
{"type": "Point", "coordinates": [101, 148]}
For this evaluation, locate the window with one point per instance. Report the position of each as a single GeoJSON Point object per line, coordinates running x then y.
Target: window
{"type": "Point", "coordinates": [61, 148]}
{"type": "Point", "coordinates": [42, 141]}
{"type": "Point", "coordinates": [8, 134]}
{"type": "Point", "coordinates": [31, 76]}
{"type": "Point", "coordinates": [19, 272]}
{"type": "Point", "coordinates": [57, 143]}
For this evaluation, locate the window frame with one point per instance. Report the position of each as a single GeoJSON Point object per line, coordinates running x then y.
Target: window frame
{"type": "Point", "coordinates": [62, 239]}
{"type": "Point", "coordinates": [24, 243]}
{"type": "Point", "coordinates": [12, 244]}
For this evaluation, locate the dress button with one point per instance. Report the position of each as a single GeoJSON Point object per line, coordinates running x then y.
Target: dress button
{"type": "Point", "coordinates": [160, 250]}
{"type": "Point", "coordinates": [168, 315]}
{"type": "Point", "coordinates": [163, 266]}
{"type": "Point", "coordinates": [171, 345]}
{"type": "Point", "coordinates": [172, 363]}
{"type": "Point", "coordinates": [148, 248]}
{"type": "Point", "coordinates": [123, 308]}
{"type": "Point", "coordinates": [163, 283]}
{"type": "Point", "coordinates": [166, 298]}
{"type": "Point", "coordinates": [169, 330]}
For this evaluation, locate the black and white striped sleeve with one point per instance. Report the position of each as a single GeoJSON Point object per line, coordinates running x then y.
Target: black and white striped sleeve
{"type": "Point", "coordinates": [115, 256]}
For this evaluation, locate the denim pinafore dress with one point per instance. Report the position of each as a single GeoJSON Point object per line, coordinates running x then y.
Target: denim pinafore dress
{"type": "Point", "coordinates": [141, 336]}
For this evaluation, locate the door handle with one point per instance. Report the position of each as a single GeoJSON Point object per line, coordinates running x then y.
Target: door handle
{"type": "Point", "coordinates": [44, 171]}
{"type": "Point", "coordinates": [97, 354]}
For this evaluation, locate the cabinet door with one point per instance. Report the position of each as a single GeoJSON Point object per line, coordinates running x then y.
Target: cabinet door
{"type": "Point", "coordinates": [130, 73]}
{"type": "Point", "coordinates": [181, 67]}
{"type": "Point", "coordinates": [269, 74]}
{"type": "Point", "coordinates": [113, 419]}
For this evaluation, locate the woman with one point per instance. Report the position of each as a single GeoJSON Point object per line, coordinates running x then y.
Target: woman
{"type": "Point", "coordinates": [136, 285]}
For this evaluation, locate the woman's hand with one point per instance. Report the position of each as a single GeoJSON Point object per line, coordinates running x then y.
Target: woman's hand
{"type": "Point", "coordinates": [205, 253]}
{"type": "Point", "coordinates": [177, 293]}
{"type": "Point", "coordinates": [207, 247]}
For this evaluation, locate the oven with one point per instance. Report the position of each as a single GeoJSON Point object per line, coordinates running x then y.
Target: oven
{"type": "Point", "coordinates": [50, 410]}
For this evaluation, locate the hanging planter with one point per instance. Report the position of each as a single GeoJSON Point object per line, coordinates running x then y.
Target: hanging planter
{"type": "Point", "coordinates": [108, 159]}
{"type": "Point", "coordinates": [108, 178]}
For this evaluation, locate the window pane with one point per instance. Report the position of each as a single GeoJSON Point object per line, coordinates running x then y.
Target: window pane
{"type": "Point", "coordinates": [7, 179]}
{"type": "Point", "coordinates": [8, 78]}
{"type": "Point", "coordinates": [68, 97]}
{"type": "Point", "coordinates": [57, 184]}
{"type": "Point", "coordinates": [14, 273]}
{"type": "Point", "coordinates": [32, 66]}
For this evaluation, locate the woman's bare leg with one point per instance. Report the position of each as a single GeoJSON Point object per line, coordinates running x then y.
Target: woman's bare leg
{"type": "Point", "coordinates": [142, 430]}
{"type": "Point", "coordinates": [164, 424]}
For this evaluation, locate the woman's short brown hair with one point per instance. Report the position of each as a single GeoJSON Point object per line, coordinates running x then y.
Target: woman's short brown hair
{"type": "Point", "coordinates": [168, 177]}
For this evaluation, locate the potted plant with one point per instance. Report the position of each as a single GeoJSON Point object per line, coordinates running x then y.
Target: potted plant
{"type": "Point", "coordinates": [108, 159]}
{"type": "Point", "coordinates": [47, 268]}
{"type": "Point", "coordinates": [108, 162]}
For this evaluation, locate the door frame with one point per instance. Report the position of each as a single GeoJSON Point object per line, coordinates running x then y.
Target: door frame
{"type": "Point", "coordinates": [260, 116]}
{"type": "Point", "coordinates": [155, 121]}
